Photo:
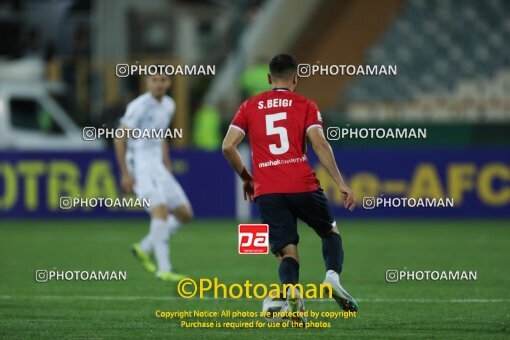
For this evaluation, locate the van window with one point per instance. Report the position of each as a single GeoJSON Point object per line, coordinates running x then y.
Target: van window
{"type": "Point", "coordinates": [28, 114]}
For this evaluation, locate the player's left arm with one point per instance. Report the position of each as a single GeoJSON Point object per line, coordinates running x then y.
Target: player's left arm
{"type": "Point", "coordinates": [327, 159]}
{"type": "Point", "coordinates": [233, 138]}
{"type": "Point", "coordinates": [313, 126]}
{"type": "Point", "coordinates": [166, 156]}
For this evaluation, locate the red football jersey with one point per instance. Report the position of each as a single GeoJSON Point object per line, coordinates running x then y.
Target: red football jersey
{"type": "Point", "coordinates": [276, 122]}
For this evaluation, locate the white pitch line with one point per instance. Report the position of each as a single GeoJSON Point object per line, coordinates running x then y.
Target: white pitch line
{"type": "Point", "coordinates": [208, 298]}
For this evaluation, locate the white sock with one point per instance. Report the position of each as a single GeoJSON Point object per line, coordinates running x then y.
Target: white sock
{"type": "Point", "coordinates": [160, 236]}
{"type": "Point", "coordinates": [333, 275]}
{"type": "Point", "coordinates": [173, 224]}
{"type": "Point", "coordinates": [146, 242]}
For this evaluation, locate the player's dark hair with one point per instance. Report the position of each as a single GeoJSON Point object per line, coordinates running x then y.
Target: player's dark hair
{"type": "Point", "coordinates": [283, 66]}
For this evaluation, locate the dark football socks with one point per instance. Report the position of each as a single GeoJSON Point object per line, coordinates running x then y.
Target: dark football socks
{"type": "Point", "coordinates": [333, 252]}
{"type": "Point", "coordinates": [289, 271]}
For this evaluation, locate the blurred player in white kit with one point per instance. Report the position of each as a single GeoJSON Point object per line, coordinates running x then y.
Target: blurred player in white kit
{"type": "Point", "coordinates": [145, 168]}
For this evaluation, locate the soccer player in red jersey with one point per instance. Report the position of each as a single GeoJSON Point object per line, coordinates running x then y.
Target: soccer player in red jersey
{"type": "Point", "coordinates": [283, 184]}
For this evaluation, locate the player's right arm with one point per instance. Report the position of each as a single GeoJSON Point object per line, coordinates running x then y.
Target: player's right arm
{"type": "Point", "coordinates": [232, 139]}
{"type": "Point", "coordinates": [235, 135]}
{"type": "Point", "coordinates": [120, 145]}
{"type": "Point", "coordinates": [325, 153]}
{"type": "Point", "coordinates": [130, 120]}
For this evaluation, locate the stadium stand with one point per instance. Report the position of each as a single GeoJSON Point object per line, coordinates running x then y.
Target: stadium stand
{"type": "Point", "coordinates": [445, 72]}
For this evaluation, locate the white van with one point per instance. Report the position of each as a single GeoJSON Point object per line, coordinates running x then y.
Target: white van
{"type": "Point", "coordinates": [30, 119]}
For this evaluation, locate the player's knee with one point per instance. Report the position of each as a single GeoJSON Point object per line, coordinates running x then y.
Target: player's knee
{"type": "Point", "coordinates": [289, 251]}
{"type": "Point", "coordinates": [191, 213]}
{"type": "Point", "coordinates": [333, 230]}
{"type": "Point", "coordinates": [186, 217]}
{"type": "Point", "coordinates": [159, 212]}
{"type": "Point", "coordinates": [184, 213]}
{"type": "Point", "coordinates": [293, 256]}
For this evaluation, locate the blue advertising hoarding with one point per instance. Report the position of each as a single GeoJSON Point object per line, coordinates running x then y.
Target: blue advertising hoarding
{"type": "Point", "coordinates": [31, 183]}
{"type": "Point", "coordinates": [477, 181]}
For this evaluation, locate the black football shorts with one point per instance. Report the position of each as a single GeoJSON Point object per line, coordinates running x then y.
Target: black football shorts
{"type": "Point", "coordinates": [281, 211]}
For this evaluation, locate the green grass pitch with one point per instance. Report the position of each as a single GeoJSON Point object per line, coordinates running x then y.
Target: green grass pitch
{"type": "Point", "coordinates": [207, 249]}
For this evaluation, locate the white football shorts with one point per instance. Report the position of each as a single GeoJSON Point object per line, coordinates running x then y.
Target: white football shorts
{"type": "Point", "coordinates": [159, 186]}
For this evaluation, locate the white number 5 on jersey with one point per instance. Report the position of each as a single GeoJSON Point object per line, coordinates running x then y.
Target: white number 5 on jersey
{"type": "Point", "coordinates": [277, 130]}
